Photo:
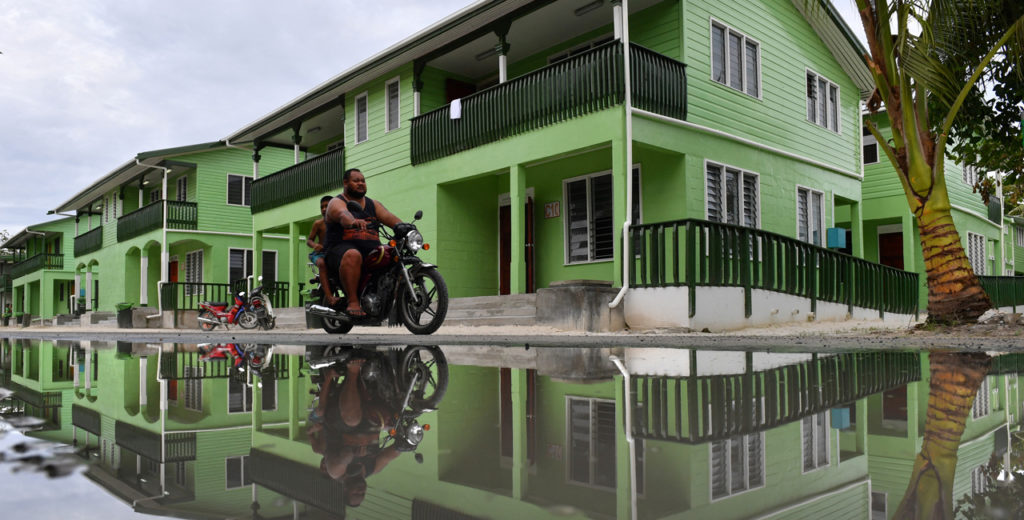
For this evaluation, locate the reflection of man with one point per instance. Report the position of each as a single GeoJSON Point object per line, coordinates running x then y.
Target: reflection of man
{"type": "Point", "coordinates": [345, 428]}
{"type": "Point", "coordinates": [350, 236]}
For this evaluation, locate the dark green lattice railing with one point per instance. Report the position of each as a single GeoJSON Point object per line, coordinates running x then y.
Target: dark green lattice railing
{"type": "Point", "coordinates": [180, 215]}
{"type": "Point", "coordinates": [317, 176]}
{"type": "Point", "coordinates": [89, 241]}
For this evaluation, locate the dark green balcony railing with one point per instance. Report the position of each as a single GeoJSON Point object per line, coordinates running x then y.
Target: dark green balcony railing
{"type": "Point", "coordinates": [180, 215]}
{"type": "Point", "coordinates": [180, 447]}
{"type": "Point", "coordinates": [300, 482]}
{"type": "Point", "coordinates": [89, 241]}
{"type": "Point", "coordinates": [697, 253]}
{"type": "Point", "coordinates": [181, 365]}
{"type": "Point", "coordinates": [37, 262]}
{"type": "Point", "coordinates": [317, 176]}
{"type": "Point", "coordinates": [5, 283]}
{"type": "Point", "coordinates": [700, 409]}
{"type": "Point", "coordinates": [1004, 291]}
{"type": "Point", "coordinates": [586, 83]}
{"type": "Point", "coordinates": [86, 419]}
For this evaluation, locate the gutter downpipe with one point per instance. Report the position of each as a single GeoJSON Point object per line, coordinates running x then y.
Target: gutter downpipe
{"type": "Point", "coordinates": [629, 433]}
{"type": "Point", "coordinates": [164, 256]}
{"type": "Point", "coordinates": [628, 103]}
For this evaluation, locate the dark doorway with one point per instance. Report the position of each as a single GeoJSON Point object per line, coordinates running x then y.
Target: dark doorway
{"type": "Point", "coordinates": [890, 249]}
{"type": "Point", "coordinates": [172, 271]}
{"type": "Point", "coordinates": [505, 248]}
{"type": "Point", "coordinates": [455, 89]}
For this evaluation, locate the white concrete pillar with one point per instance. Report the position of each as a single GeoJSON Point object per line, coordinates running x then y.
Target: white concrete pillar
{"type": "Point", "coordinates": [502, 68]}
{"type": "Point", "coordinates": [143, 279]}
{"type": "Point", "coordinates": [78, 289]}
{"type": "Point", "coordinates": [617, 19]}
{"type": "Point", "coordinates": [88, 369]}
{"type": "Point", "coordinates": [296, 147]}
{"type": "Point", "coordinates": [143, 398]}
{"type": "Point", "coordinates": [88, 290]}
{"type": "Point", "coordinates": [416, 103]}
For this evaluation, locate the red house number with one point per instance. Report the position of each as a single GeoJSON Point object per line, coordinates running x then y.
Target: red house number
{"type": "Point", "coordinates": [551, 210]}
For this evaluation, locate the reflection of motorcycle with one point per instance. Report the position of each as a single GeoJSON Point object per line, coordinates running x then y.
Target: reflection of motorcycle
{"type": "Point", "coordinates": [410, 381]}
{"type": "Point", "coordinates": [260, 305]}
{"type": "Point", "coordinates": [248, 356]}
{"type": "Point", "coordinates": [392, 275]}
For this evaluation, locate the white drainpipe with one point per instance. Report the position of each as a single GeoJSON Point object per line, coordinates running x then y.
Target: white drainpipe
{"type": "Point", "coordinates": [164, 256]}
{"type": "Point", "coordinates": [628, 102]}
{"type": "Point", "coordinates": [629, 433]}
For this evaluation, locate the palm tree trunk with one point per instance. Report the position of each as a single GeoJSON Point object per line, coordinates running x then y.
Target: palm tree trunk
{"type": "Point", "coordinates": [954, 294]}
{"type": "Point", "coordinates": [955, 379]}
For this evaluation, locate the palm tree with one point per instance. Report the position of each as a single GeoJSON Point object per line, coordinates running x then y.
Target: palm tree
{"type": "Point", "coordinates": [927, 58]}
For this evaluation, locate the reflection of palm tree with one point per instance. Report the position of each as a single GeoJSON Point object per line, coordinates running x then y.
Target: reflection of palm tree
{"type": "Point", "coordinates": [955, 379]}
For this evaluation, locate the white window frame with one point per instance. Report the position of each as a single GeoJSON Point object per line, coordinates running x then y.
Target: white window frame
{"type": "Point", "coordinates": [978, 483]}
{"type": "Point", "coordinates": [192, 389]}
{"type": "Point", "coordinates": [249, 250]}
{"type": "Point", "coordinates": [355, 108]}
{"type": "Point", "coordinates": [198, 253]}
{"type": "Point", "coordinates": [828, 103]}
{"type": "Point", "coordinates": [824, 423]}
{"type": "Point", "coordinates": [246, 403]}
{"type": "Point", "coordinates": [593, 443]}
{"type": "Point", "coordinates": [227, 190]}
{"type": "Point", "coordinates": [565, 226]}
{"type": "Point", "coordinates": [1018, 236]}
{"type": "Point", "coordinates": [397, 80]}
{"type": "Point", "coordinates": [981, 406]}
{"type": "Point", "coordinates": [182, 182]}
{"type": "Point", "coordinates": [980, 267]}
{"type": "Point", "coordinates": [883, 514]}
{"type": "Point", "coordinates": [868, 139]}
{"type": "Point", "coordinates": [711, 53]}
{"type": "Point", "coordinates": [969, 173]}
{"type": "Point", "coordinates": [154, 195]}
{"type": "Point", "coordinates": [722, 167]}
{"type": "Point", "coordinates": [242, 459]}
{"type": "Point", "coordinates": [810, 227]}
{"type": "Point", "coordinates": [711, 467]}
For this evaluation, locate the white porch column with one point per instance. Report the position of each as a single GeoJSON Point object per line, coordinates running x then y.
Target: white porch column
{"type": "Point", "coordinates": [417, 86]}
{"type": "Point", "coordinates": [502, 68]}
{"type": "Point", "coordinates": [78, 289]}
{"type": "Point", "coordinates": [88, 290]}
{"type": "Point", "coordinates": [617, 18]}
{"type": "Point", "coordinates": [88, 369]}
{"type": "Point", "coordinates": [76, 226]}
{"type": "Point", "coordinates": [502, 49]}
{"type": "Point", "coordinates": [296, 140]}
{"type": "Point", "coordinates": [143, 279]}
{"type": "Point", "coordinates": [143, 398]}
{"type": "Point", "coordinates": [256, 162]}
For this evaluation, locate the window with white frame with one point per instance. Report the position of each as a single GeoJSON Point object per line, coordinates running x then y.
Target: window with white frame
{"type": "Point", "coordinates": [737, 465]}
{"type": "Point", "coordinates": [154, 196]}
{"type": "Point", "coordinates": [980, 408]}
{"type": "Point", "coordinates": [814, 432]}
{"type": "Point", "coordinates": [181, 475]}
{"type": "Point", "coordinates": [870, 146]}
{"type": "Point", "coordinates": [194, 272]}
{"type": "Point", "coordinates": [236, 473]}
{"type": "Point", "coordinates": [976, 252]}
{"type": "Point", "coordinates": [589, 234]}
{"type": "Point", "coordinates": [879, 511]}
{"type": "Point", "coordinates": [970, 175]}
{"type": "Point", "coordinates": [240, 395]}
{"type": "Point", "coordinates": [240, 264]}
{"type": "Point", "coordinates": [978, 483]}
{"type": "Point", "coordinates": [182, 193]}
{"type": "Point", "coordinates": [193, 388]}
{"type": "Point", "coordinates": [732, 195]}
{"type": "Point", "coordinates": [239, 190]}
{"type": "Point", "coordinates": [362, 130]}
{"type": "Point", "coordinates": [591, 432]}
{"type": "Point", "coordinates": [1018, 236]}
{"type": "Point", "coordinates": [735, 59]}
{"type": "Point", "coordinates": [810, 215]}
{"type": "Point", "coordinates": [822, 102]}
{"type": "Point", "coordinates": [393, 111]}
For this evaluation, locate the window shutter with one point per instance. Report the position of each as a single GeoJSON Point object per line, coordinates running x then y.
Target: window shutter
{"type": "Point", "coordinates": [812, 98]}
{"type": "Point", "coordinates": [234, 190]}
{"type": "Point", "coordinates": [822, 102]}
{"type": "Point", "coordinates": [801, 214]}
{"type": "Point", "coordinates": [737, 465]}
{"type": "Point", "coordinates": [576, 195]}
{"type": "Point", "coordinates": [236, 265]}
{"type": "Point", "coordinates": [815, 218]}
{"type": "Point", "coordinates": [579, 440]}
{"type": "Point", "coordinates": [236, 401]}
{"type": "Point", "coordinates": [750, 200]}
{"type": "Point", "coordinates": [602, 232]}
{"type": "Point", "coordinates": [719, 470]}
{"type": "Point", "coordinates": [753, 88]}
{"type": "Point", "coordinates": [714, 194]}
{"type": "Point", "coordinates": [821, 440]}
{"type": "Point", "coordinates": [833, 113]}
{"type": "Point", "coordinates": [269, 267]}
{"type": "Point", "coordinates": [393, 105]}
{"type": "Point", "coordinates": [247, 181]}
{"type": "Point", "coordinates": [183, 188]}
{"type": "Point", "coordinates": [718, 53]}
{"type": "Point", "coordinates": [735, 61]}
{"type": "Point", "coordinates": [732, 195]}
{"type": "Point", "coordinates": [604, 453]}
{"type": "Point", "coordinates": [361, 129]}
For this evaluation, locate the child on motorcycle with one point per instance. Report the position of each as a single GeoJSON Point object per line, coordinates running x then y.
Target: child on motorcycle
{"type": "Point", "coordinates": [316, 241]}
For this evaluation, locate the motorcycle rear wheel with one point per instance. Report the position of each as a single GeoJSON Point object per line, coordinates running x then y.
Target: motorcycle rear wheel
{"type": "Point", "coordinates": [335, 326]}
{"type": "Point", "coordinates": [424, 314]}
{"type": "Point", "coordinates": [268, 323]}
{"type": "Point", "coordinates": [432, 367]}
{"type": "Point", "coordinates": [248, 320]}
{"type": "Point", "coordinates": [206, 314]}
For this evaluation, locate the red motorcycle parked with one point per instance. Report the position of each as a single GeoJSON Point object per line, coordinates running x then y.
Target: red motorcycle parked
{"type": "Point", "coordinates": [212, 314]}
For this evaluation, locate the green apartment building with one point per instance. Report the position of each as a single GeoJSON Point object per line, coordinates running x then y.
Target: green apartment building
{"type": "Point", "coordinates": [41, 279]}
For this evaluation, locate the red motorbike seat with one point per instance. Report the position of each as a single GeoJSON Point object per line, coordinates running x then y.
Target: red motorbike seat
{"type": "Point", "coordinates": [217, 304]}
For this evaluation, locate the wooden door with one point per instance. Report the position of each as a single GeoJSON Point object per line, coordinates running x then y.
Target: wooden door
{"type": "Point", "coordinates": [172, 271]}
{"type": "Point", "coordinates": [504, 249]}
{"type": "Point", "coordinates": [890, 249]}
{"type": "Point", "coordinates": [530, 267]}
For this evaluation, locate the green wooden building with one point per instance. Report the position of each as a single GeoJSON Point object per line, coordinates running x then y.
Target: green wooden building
{"type": "Point", "coordinates": [42, 278]}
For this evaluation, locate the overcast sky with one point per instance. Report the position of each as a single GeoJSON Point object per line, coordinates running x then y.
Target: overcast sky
{"type": "Point", "coordinates": [87, 84]}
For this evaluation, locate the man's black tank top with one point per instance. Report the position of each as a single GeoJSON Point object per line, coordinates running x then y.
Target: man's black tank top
{"type": "Point", "coordinates": [336, 234]}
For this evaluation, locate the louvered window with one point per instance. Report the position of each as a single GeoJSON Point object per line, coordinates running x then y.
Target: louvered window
{"type": "Point", "coordinates": [878, 506]}
{"type": "Point", "coordinates": [194, 272]}
{"type": "Point", "coordinates": [240, 395]}
{"type": "Point", "coordinates": [822, 102]}
{"type": "Point", "coordinates": [589, 227]}
{"type": "Point", "coordinates": [735, 59]}
{"type": "Point", "coordinates": [154, 196]}
{"type": "Point", "coordinates": [976, 252]}
{"type": "Point", "coordinates": [193, 391]}
{"type": "Point", "coordinates": [240, 264]}
{"type": "Point", "coordinates": [970, 175]}
{"type": "Point", "coordinates": [393, 90]}
{"type": "Point", "coordinates": [810, 215]}
{"type": "Point", "coordinates": [737, 465]}
{"type": "Point", "coordinates": [978, 483]}
{"type": "Point", "coordinates": [814, 431]}
{"type": "Point", "coordinates": [870, 147]}
{"type": "Point", "coordinates": [239, 190]}
{"type": "Point", "coordinates": [1018, 236]}
{"type": "Point", "coordinates": [236, 473]}
{"type": "Point", "coordinates": [182, 188]}
{"type": "Point", "coordinates": [362, 130]}
{"type": "Point", "coordinates": [591, 441]}
{"type": "Point", "coordinates": [980, 408]}
{"type": "Point", "coordinates": [732, 195]}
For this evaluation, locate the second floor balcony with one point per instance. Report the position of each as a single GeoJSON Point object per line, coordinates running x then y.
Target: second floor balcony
{"type": "Point", "coordinates": [588, 82]}
{"type": "Point", "coordinates": [89, 242]}
{"type": "Point", "coordinates": [310, 178]}
{"type": "Point", "coordinates": [180, 215]}
{"type": "Point", "coordinates": [32, 264]}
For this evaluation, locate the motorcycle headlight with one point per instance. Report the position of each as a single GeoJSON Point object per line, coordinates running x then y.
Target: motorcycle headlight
{"type": "Point", "coordinates": [414, 240]}
{"type": "Point", "coordinates": [414, 435]}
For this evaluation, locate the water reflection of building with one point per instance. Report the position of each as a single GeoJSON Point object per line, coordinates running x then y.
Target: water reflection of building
{"type": "Point", "coordinates": [40, 373]}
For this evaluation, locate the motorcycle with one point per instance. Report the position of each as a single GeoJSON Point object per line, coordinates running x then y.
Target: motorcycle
{"type": "Point", "coordinates": [394, 285]}
{"type": "Point", "coordinates": [212, 314]}
{"type": "Point", "coordinates": [260, 305]}
{"type": "Point", "coordinates": [411, 381]}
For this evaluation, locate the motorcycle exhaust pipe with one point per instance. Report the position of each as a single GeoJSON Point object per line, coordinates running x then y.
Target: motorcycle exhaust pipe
{"type": "Point", "coordinates": [208, 320]}
{"type": "Point", "coordinates": [325, 312]}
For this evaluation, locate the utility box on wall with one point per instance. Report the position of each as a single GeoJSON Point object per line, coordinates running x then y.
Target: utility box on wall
{"type": "Point", "coordinates": [835, 238]}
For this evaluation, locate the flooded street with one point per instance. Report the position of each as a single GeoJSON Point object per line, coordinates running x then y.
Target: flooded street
{"type": "Point", "coordinates": [118, 429]}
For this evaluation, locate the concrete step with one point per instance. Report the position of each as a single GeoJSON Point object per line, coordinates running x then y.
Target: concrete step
{"type": "Point", "coordinates": [519, 309]}
{"type": "Point", "coordinates": [494, 302]}
{"type": "Point", "coordinates": [290, 318]}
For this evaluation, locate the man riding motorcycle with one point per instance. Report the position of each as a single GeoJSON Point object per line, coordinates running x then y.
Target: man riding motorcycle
{"type": "Point", "coordinates": [350, 237]}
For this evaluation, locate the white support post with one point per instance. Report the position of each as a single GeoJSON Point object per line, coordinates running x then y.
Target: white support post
{"type": "Point", "coordinates": [416, 103]}
{"type": "Point", "coordinates": [88, 369]}
{"type": "Point", "coordinates": [617, 19]}
{"type": "Point", "coordinates": [502, 68]}
{"type": "Point", "coordinates": [143, 366]}
{"type": "Point", "coordinates": [88, 290]}
{"type": "Point", "coordinates": [78, 290]}
{"type": "Point", "coordinates": [143, 279]}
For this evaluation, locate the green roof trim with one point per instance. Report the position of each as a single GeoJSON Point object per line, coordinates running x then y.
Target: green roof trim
{"type": "Point", "coordinates": [847, 31]}
{"type": "Point", "coordinates": [181, 150]}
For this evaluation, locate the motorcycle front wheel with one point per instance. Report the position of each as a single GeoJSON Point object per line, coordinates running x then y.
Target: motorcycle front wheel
{"type": "Point", "coordinates": [431, 367]}
{"type": "Point", "coordinates": [424, 313]}
{"type": "Point", "coordinates": [268, 323]}
{"type": "Point", "coordinates": [204, 326]}
{"type": "Point", "coordinates": [248, 320]}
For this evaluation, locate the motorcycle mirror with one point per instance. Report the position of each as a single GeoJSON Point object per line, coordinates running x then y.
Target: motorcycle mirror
{"type": "Point", "coordinates": [418, 215]}
{"type": "Point", "coordinates": [419, 458]}
{"type": "Point", "coordinates": [354, 207]}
